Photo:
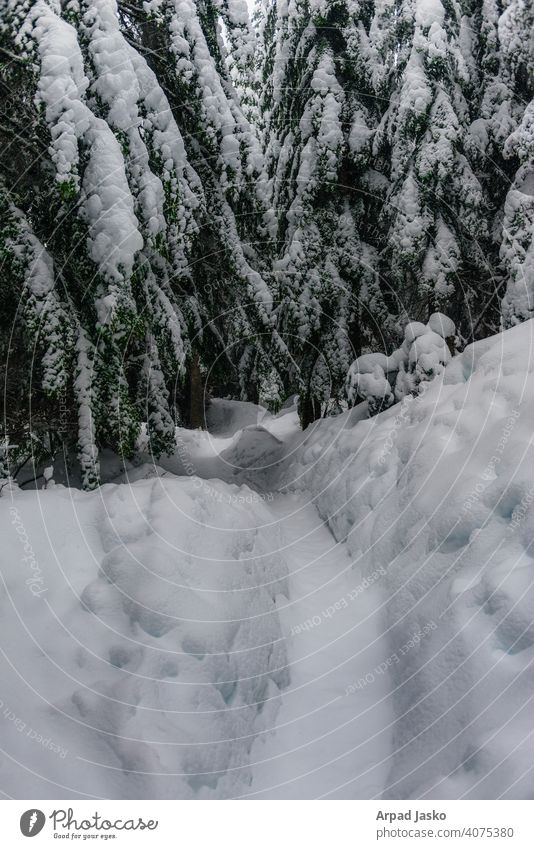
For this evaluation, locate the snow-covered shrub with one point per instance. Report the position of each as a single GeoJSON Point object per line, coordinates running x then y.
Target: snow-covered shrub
{"type": "Point", "coordinates": [424, 353]}
{"type": "Point", "coordinates": [367, 381]}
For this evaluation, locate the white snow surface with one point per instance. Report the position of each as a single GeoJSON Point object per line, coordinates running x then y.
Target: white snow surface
{"type": "Point", "coordinates": [439, 491]}
{"type": "Point", "coordinates": [340, 613]}
{"type": "Point", "coordinates": [148, 646]}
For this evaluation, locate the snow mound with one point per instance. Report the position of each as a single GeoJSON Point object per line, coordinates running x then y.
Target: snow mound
{"type": "Point", "coordinates": [439, 490]}
{"type": "Point", "coordinates": [224, 417]}
{"type": "Point", "coordinates": [442, 325]}
{"type": "Point", "coordinates": [141, 639]}
{"type": "Point", "coordinates": [253, 447]}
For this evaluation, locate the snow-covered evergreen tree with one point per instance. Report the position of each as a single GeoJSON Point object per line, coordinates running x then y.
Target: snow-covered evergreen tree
{"type": "Point", "coordinates": [515, 28]}
{"type": "Point", "coordinates": [318, 110]}
{"type": "Point", "coordinates": [517, 248]}
{"type": "Point", "coordinates": [435, 215]}
{"type": "Point", "coordinates": [185, 197]}
{"type": "Point", "coordinates": [498, 39]}
{"type": "Point", "coordinates": [132, 245]}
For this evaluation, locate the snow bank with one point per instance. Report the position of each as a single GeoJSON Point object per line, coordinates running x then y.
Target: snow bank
{"type": "Point", "coordinates": [439, 490]}
{"type": "Point", "coordinates": [142, 649]}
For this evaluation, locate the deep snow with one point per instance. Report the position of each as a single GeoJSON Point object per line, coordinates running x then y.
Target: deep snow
{"type": "Point", "coordinates": [344, 613]}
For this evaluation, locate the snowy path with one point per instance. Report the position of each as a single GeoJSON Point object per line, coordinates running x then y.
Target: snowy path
{"type": "Point", "coordinates": [173, 656]}
{"type": "Point", "coordinates": [329, 735]}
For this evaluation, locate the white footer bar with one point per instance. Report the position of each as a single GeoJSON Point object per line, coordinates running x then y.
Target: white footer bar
{"type": "Point", "coordinates": [269, 824]}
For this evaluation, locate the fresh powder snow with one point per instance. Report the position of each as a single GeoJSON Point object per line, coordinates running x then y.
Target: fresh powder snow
{"type": "Point", "coordinates": [343, 612]}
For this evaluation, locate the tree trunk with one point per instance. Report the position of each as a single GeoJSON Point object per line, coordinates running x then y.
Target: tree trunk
{"type": "Point", "coordinates": [196, 398]}
{"type": "Point", "coordinates": [309, 410]}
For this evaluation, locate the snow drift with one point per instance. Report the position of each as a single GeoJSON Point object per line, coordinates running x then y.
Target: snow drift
{"type": "Point", "coordinates": [438, 490]}
{"type": "Point", "coordinates": [140, 636]}
{"type": "Point", "coordinates": [156, 633]}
